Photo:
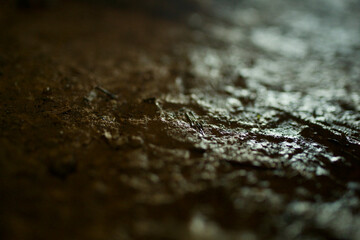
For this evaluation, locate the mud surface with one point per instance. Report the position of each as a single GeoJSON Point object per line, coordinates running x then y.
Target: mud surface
{"type": "Point", "coordinates": [239, 124]}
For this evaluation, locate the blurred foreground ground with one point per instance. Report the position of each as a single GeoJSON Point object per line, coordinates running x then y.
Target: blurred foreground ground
{"type": "Point", "coordinates": [240, 120]}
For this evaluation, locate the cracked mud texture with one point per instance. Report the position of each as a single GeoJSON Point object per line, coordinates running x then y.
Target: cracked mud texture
{"type": "Point", "coordinates": [240, 121]}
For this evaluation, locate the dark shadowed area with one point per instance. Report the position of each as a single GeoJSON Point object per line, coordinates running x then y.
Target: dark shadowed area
{"type": "Point", "coordinates": [183, 120]}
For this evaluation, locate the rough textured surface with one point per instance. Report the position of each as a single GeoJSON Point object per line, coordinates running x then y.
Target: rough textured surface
{"type": "Point", "coordinates": [119, 124]}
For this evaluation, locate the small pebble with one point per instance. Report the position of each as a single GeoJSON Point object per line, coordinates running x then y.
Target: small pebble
{"type": "Point", "coordinates": [136, 141]}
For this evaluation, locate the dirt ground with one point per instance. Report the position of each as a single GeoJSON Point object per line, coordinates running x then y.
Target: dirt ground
{"type": "Point", "coordinates": [229, 120]}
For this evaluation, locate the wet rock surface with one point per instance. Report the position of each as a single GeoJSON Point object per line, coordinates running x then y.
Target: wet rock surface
{"type": "Point", "coordinates": [243, 124]}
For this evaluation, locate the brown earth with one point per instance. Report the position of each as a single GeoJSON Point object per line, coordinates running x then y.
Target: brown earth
{"type": "Point", "coordinates": [240, 121]}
